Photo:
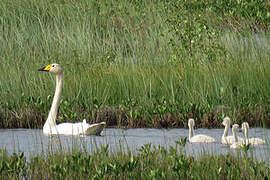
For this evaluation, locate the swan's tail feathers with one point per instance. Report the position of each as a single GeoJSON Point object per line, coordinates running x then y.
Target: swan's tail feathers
{"type": "Point", "coordinates": [95, 129]}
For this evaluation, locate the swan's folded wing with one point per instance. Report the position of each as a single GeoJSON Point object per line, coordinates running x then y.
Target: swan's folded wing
{"type": "Point", "coordinates": [70, 128]}
{"type": "Point", "coordinates": [202, 138]}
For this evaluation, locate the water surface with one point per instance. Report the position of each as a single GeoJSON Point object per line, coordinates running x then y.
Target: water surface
{"type": "Point", "coordinates": [33, 142]}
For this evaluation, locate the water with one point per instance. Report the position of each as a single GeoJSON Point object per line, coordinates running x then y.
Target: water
{"type": "Point", "coordinates": [33, 142]}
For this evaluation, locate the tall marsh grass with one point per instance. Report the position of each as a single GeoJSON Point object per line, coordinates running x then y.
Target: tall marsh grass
{"type": "Point", "coordinates": [126, 56]}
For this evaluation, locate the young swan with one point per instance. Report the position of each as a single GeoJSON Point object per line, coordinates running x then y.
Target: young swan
{"type": "Point", "coordinates": [237, 144]}
{"type": "Point", "coordinates": [252, 141]}
{"type": "Point", "coordinates": [225, 138]}
{"type": "Point", "coordinates": [50, 127]}
{"type": "Point", "coordinates": [198, 138]}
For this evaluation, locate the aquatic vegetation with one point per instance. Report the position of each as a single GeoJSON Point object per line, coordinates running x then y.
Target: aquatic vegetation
{"type": "Point", "coordinates": [13, 166]}
{"type": "Point", "coordinates": [136, 64]}
{"type": "Point", "coordinates": [149, 162]}
{"type": "Point", "coordinates": [182, 142]}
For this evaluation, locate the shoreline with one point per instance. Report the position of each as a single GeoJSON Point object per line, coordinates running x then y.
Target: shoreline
{"type": "Point", "coordinates": [114, 117]}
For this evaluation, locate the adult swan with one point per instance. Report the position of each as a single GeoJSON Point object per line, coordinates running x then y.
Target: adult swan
{"type": "Point", "coordinates": [50, 127]}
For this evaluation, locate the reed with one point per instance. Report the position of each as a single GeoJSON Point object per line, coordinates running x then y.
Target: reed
{"type": "Point", "coordinates": [129, 57]}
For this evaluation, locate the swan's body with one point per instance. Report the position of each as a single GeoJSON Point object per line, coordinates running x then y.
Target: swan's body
{"type": "Point", "coordinates": [237, 143]}
{"type": "Point", "coordinates": [252, 141]}
{"type": "Point", "coordinates": [225, 138]}
{"type": "Point", "coordinates": [197, 138]}
{"type": "Point", "coordinates": [50, 127]}
{"type": "Point", "coordinates": [80, 128]}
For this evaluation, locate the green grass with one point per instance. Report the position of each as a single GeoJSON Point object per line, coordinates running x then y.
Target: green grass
{"type": "Point", "coordinates": [137, 59]}
{"type": "Point", "coordinates": [149, 162]}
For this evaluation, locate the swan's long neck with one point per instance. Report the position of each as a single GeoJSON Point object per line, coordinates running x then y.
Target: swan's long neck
{"type": "Point", "coordinates": [191, 132]}
{"type": "Point", "coordinates": [234, 135]}
{"type": "Point", "coordinates": [226, 130]}
{"type": "Point", "coordinates": [51, 120]}
{"type": "Point", "coordinates": [246, 134]}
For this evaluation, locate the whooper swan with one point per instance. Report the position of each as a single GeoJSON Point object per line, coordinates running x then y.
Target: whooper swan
{"type": "Point", "coordinates": [237, 143]}
{"type": "Point", "coordinates": [225, 138]}
{"type": "Point", "coordinates": [50, 127]}
{"type": "Point", "coordinates": [252, 141]}
{"type": "Point", "coordinates": [198, 138]}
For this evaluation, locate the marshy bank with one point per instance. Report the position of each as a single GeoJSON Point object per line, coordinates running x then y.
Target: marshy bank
{"type": "Point", "coordinates": [136, 64]}
{"type": "Point", "coordinates": [137, 117]}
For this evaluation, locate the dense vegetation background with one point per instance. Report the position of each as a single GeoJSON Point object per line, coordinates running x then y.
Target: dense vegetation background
{"type": "Point", "coordinates": [136, 63]}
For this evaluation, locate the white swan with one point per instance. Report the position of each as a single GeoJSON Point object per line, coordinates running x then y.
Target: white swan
{"type": "Point", "coordinates": [225, 138]}
{"type": "Point", "coordinates": [237, 143]}
{"type": "Point", "coordinates": [198, 138]}
{"type": "Point", "coordinates": [253, 141]}
{"type": "Point", "coordinates": [50, 127]}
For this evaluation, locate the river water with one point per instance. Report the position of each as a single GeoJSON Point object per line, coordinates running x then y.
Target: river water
{"type": "Point", "coordinates": [33, 142]}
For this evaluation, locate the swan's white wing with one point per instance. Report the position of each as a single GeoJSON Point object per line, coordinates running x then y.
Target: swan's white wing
{"type": "Point", "coordinates": [201, 138]}
{"type": "Point", "coordinates": [71, 128]}
{"type": "Point", "coordinates": [81, 128]}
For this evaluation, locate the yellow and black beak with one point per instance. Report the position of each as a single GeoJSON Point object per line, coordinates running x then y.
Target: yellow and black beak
{"type": "Point", "coordinates": [47, 68]}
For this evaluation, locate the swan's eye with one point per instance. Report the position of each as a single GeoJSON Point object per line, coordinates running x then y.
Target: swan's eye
{"type": "Point", "coordinates": [53, 66]}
